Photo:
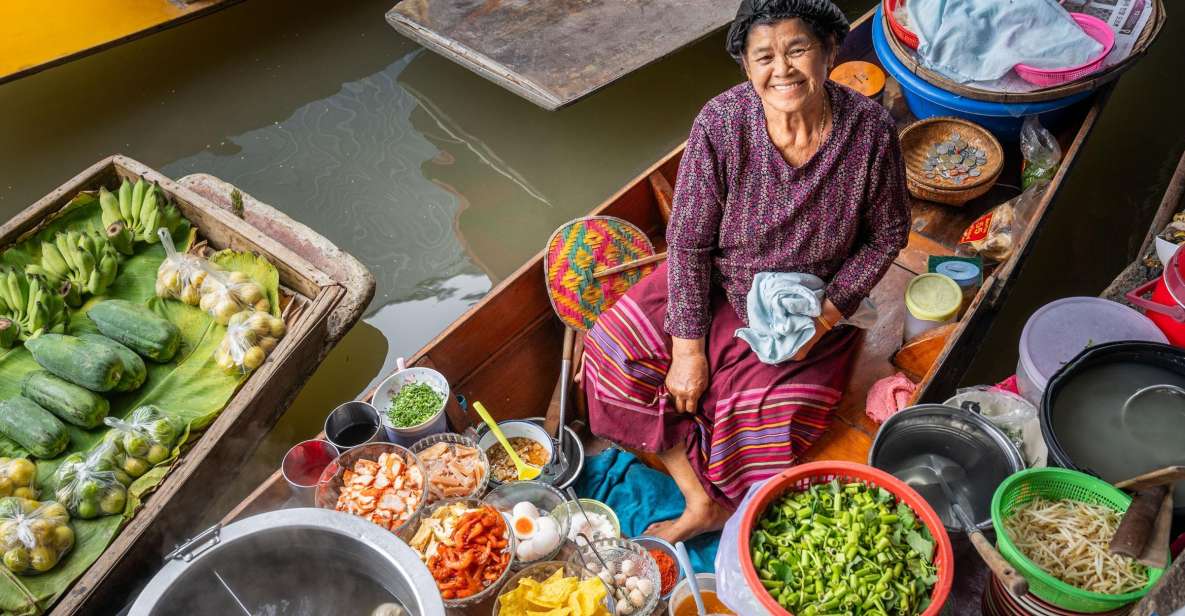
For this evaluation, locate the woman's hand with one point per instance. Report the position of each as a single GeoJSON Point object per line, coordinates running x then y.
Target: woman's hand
{"type": "Point", "coordinates": [823, 324]}
{"type": "Point", "coordinates": [687, 378]}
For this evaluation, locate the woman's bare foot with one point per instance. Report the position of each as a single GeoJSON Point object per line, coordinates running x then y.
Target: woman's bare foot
{"type": "Point", "coordinates": [698, 518]}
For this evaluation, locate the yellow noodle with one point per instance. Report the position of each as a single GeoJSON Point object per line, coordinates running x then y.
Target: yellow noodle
{"type": "Point", "coordinates": [1069, 540]}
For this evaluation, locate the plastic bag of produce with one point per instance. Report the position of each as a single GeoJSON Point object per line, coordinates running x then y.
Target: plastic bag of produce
{"type": "Point", "coordinates": [225, 294]}
{"type": "Point", "coordinates": [1042, 154]}
{"type": "Point", "coordinates": [33, 535]}
{"type": "Point", "coordinates": [731, 587]}
{"type": "Point", "coordinates": [1014, 415]}
{"type": "Point", "coordinates": [994, 235]}
{"type": "Point", "coordinates": [180, 276]}
{"type": "Point", "coordinates": [141, 441]}
{"type": "Point", "coordinates": [250, 338]}
{"type": "Point", "coordinates": [88, 487]}
{"type": "Point", "coordinates": [18, 477]}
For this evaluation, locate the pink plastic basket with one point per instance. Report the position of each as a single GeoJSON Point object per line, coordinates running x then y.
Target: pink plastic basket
{"type": "Point", "coordinates": [1094, 27]}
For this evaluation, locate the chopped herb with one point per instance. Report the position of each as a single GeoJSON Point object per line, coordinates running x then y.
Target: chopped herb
{"type": "Point", "coordinates": [413, 405]}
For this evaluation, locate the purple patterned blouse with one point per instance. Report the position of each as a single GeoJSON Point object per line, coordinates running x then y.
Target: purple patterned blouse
{"type": "Point", "coordinates": [740, 208]}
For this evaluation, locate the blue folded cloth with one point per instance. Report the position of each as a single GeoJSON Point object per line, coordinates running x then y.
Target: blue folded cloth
{"type": "Point", "coordinates": [981, 40]}
{"type": "Point", "coordinates": [782, 307]}
{"type": "Point", "coordinates": [641, 496]}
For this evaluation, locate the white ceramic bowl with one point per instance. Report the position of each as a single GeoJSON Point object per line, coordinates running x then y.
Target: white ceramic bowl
{"type": "Point", "coordinates": [511, 429]}
{"type": "Point", "coordinates": [389, 388]}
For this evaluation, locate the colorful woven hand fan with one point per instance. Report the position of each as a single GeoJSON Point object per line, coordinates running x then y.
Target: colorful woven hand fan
{"type": "Point", "coordinates": [579, 249]}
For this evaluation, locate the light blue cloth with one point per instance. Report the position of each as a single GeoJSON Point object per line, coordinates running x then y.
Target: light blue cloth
{"type": "Point", "coordinates": [641, 496]}
{"type": "Point", "coordinates": [981, 40]}
{"type": "Point", "coordinates": [782, 308]}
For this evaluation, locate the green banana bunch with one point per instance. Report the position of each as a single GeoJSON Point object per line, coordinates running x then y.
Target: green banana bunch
{"type": "Point", "coordinates": [77, 262]}
{"type": "Point", "coordinates": [32, 307]}
{"type": "Point", "coordinates": [142, 208]}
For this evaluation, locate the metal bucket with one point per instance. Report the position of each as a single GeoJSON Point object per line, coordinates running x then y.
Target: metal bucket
{"type": "Point", "coordinates": [970, 441]}
{"type": "Point", "coordinates": [309, 561]}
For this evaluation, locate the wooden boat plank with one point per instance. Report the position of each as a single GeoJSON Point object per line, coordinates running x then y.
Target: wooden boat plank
{"type": "Point", "coordinates": [40, 34]}
{"type": "Point", "coordinates": [589, 43]}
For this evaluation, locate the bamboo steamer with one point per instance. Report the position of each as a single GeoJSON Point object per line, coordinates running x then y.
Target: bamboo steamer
{"type": "Point", "coordinates": [909, 58]}
{"type": "Point", "coordinates": [916, 140]}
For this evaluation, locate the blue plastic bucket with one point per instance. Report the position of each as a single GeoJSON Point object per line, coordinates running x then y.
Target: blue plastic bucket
{"type": "Point", "coordinates": [927, 100]}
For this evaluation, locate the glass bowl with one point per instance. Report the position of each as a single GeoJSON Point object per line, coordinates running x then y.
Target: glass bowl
{"type": "Point", "coordinates": [486, 592]}
{"type": "Point", "coordinates": [544, 497]}
{"type": "Point", "coordinates": [614, 552]}
{"type": "Point", "coordinates": [432, 466]}
{"type": "Point", "coordinates": [541, 571]}
{"type": "Point", "coordinates": [654, 543]}
{"type": "Point", "coordinates": [566, 510]}
{"type": "Point", "coordinates": [331, 483]}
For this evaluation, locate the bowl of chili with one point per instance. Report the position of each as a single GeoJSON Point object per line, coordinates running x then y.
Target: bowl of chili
{"type": "Point", "coordinates": [467, 546]}
{"type": "Point", "coordinates": [663, 554]}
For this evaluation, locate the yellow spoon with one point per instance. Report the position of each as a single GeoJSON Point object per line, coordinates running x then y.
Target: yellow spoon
{"type": "Point", "coordinates": [525, 471]}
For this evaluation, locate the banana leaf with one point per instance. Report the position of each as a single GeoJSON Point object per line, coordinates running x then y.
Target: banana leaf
{"type": "Point", "coordinates": [191, 389]}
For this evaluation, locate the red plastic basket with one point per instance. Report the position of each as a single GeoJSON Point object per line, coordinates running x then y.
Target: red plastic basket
{"type": "Point", "coordinates": [802, 477]}
{"type": "Point", "coordinates": [903, 34]}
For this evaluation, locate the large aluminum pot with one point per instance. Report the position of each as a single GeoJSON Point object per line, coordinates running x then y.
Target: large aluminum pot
{"type": "Point", "coordinates": [909, 442]}
{"type": "Point", "coordinates": [295, 562]}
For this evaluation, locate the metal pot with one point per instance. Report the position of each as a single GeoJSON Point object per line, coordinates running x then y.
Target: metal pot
{"type": "Point", "coordinates": [963, 438]}
{"type": "Point", "coordinates": [292, 561]}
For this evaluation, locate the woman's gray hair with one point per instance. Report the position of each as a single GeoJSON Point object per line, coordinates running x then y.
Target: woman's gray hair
{"type": "Point", "coordinates": [822, 16]}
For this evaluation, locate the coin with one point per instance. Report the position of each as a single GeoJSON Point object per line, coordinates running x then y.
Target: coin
{"type": "Point", "coordinates": [974, 173]}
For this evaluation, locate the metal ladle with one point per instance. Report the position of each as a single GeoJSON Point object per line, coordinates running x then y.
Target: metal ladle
{"type": "Point", "coordinates": [605, 566]}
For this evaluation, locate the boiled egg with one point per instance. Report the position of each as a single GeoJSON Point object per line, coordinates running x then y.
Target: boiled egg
{"type": "Point", "coordinates": [524, 526]}
{"type": "Point", "coordinates": [525, 509]}
{"type": "Point", "coordinates": [547, 535]}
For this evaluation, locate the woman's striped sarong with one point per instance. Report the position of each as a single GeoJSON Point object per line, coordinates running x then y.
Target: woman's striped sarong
{"type": "Point", "coordinates": [754, 420]}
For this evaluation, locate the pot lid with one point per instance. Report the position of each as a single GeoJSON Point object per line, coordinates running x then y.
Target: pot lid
{"type": "Point", "coordinates": [1060, 330]}
{"type": "Point", "coordinates": [933, 297]}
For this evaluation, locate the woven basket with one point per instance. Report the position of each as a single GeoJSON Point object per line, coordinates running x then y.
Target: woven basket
{"type": "Point", "coordinates": [916, 140]}
{"type": "Point", "coordinates": [1055, 484]}
{"type": "Point", "coordinates": [909, 58]}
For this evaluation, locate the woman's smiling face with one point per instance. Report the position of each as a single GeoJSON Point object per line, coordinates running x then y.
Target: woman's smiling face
{"type": "Point", "coordinates": [787, 64]}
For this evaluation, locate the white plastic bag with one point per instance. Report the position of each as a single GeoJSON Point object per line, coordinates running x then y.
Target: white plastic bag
{"type": "Point", "coordinates": [730, 582]}
{"type": "Point", "coordinates": [250, 338]}
{"type": "Point", "coordinates": [1017, 417]}
{"type": "Point", "coordinates": [180, 276]}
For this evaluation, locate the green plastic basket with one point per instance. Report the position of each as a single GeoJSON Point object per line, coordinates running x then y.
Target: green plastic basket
{"type": "Point", "coordinates": [1059, 483]}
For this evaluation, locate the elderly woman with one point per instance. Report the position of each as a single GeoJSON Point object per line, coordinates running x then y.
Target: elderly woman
{"type": "Point", "coordinates": [786, 172]}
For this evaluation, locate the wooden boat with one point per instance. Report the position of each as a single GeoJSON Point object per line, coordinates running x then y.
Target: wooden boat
{"type": "Point", "coordinates": [505, 350]}
{"type": "Point", "coordinates": [320, 303]}
{"type": "Point", "coordinates": [41, 34]}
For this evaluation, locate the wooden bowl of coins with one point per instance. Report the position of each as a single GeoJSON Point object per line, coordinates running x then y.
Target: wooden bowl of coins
{"type": "Point", "coordinates": [950, 160]}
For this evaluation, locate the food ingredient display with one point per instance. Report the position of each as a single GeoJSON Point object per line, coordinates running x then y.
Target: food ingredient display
{"type": "Point", "coordinates": [138, 328]}
{"type": "Point", "coordinates": [414, 404]}
{"type": "Point", "coordinates": [250, 337]}
{"type": "Point", "coordinates": [454, 470]}
{"type": "Point", "coordinates": [141, 208]}
{"type": "Point", "coordinates": [69, 402]}
{"type": "Point", "coordinates": [28, 308]}
{"type": "Point", "coordinates": [88, 486]}
{"type": "Point", "coordinates": [631, 588]}
{"type": "Point", "coordinates": [558, 594]}
{"type": "Point", "coordinates": [531, 451]}
{"type": "Point", "coordinates": [668, 569]}
{"type": "Point", "coordinates": [33, 535]}
{"type": "Point", "coordinates": [180, 275]}
{"type": "Point", "coordinates": [594, 526]}
{"type": "Point", "coordinates": [538, 534]}
{"type": "Point", "coordinates": [465, 548]}
{"type": "Point", "coordinates": [225, 294]}
{"type": "Point", "coordinates": [77, 263]}
{"type": "Point", "coordinates": [1069, 540]}
{"type": "Point", "coordinates": [141, 441]}
{"type": "Point", "coordinates": [18, 478]}
{"type": "Point", "coordinates": [386, 491]}
{"type": "Point", "coordinates": [844, 548]}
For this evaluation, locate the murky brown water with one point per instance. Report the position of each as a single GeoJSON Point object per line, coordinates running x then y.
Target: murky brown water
{"type": "Point", "coordinates": [442, 183]}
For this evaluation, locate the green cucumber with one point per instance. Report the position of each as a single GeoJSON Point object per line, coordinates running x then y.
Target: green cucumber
{"type": "Point", "coordinates": [71, 403]}
{"type": "Point", "coordinates": [134, 370]}
{"type": "Point", "coordinates": [83, 363]}
{"type": "Point", "coordinates": [138, 328]}
{"type": "Point", "coordinates": [33, 427]}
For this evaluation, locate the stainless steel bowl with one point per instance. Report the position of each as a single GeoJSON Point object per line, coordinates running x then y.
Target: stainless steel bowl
{"type": "Point", "coordinates": [906, 442]}
{"type": "Point", "coordinates": [573, 451]}
{"type": "Point", "coordinates": [295, 561]}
